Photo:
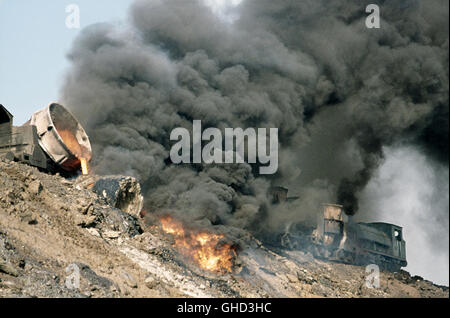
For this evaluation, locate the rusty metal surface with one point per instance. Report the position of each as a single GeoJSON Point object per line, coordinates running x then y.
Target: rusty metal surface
{"type": "Point", "coordinates": [50, 123]}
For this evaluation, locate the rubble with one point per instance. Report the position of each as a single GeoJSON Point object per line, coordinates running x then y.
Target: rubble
{"type": "Point", "coordinates": [121, 192]}
{"type": "Point", "coordinates": [52, 228]}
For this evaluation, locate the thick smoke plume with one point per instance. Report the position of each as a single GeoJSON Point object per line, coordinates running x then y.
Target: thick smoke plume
{"type": "Point", "coordinates": [337, 91]}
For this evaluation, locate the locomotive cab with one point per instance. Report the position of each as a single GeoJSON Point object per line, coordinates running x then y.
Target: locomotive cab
{"type": "Point", "coordinates": [397, 246]}
{"type": "Point", "coordinates": [384, 244]}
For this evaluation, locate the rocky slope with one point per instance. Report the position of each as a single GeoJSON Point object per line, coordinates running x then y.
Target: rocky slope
{"type": "Point", "coordinates": [52, 228]}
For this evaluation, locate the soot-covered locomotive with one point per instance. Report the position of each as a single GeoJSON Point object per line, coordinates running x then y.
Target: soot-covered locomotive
{"type": "Point", "coordinates": [338, 238]}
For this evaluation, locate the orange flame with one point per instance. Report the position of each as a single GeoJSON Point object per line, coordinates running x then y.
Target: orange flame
{"type": "Point", "coordinates": [205, 249]}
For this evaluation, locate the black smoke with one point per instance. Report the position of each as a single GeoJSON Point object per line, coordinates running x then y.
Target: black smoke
{"type": "Point", "coordinates": [338, 92]}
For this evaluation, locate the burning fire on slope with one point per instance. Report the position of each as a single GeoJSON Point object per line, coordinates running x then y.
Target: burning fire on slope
{"type": "Point", "coordinates": [207, 250]}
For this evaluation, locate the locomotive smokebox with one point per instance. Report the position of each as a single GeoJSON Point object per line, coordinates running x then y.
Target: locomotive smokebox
{"type": "Point", "coordinates": [62, 137]}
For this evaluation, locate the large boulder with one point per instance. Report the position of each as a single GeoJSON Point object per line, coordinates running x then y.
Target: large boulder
{"type": "Point", "coordinates": [121, 192]}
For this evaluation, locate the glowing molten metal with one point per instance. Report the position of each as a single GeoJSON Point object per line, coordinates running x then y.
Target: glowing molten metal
{"type": "Point", "coordinates": [72, 143]}
{"type": "Point", "coordinates": [205, 249]}
{"type": "Point", "coordinates": [84, 166]}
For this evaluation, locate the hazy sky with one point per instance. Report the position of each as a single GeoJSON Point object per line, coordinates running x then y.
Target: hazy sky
{"type": "Point", "coordinates": [34, 41]}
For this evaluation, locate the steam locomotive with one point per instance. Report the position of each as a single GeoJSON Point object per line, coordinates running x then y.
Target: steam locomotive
{"type": "Point", "coordinates": [346, 241]}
